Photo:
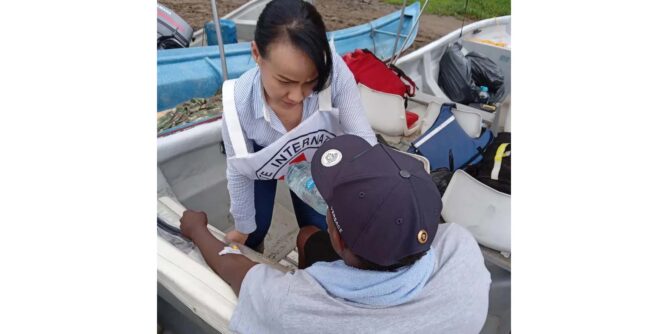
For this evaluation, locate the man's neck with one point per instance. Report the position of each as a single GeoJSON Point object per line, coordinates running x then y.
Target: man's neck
{"type": "Point", "coordinates": [351, 260]}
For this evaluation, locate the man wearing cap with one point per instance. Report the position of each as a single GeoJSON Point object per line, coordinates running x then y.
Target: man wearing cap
{"type": "Point", "coordinates": [385, 265]}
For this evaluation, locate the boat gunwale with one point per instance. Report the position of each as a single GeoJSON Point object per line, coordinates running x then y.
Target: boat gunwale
{"type": "Point", "coordinates": [166, 56]}
{"type": "Point", "coordinates": [453, 35]}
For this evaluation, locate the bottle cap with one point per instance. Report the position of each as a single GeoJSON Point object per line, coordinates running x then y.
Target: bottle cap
{"type": "Point", "coordinates": [483, 88]}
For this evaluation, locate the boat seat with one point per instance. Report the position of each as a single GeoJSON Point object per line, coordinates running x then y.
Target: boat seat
{"type": "Point", "coordinates": [387, 114]}
{"type": "Point", "coordinates": [176, 208]}
{"type": "Point", "coordinates": [423, 160]}
{"type": "Point", "coordinates": [189, 278]}
{"type": "Point", "coordinates": [484, 211]}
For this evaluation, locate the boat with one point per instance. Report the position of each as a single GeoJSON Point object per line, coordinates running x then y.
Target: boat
{"type": "Point", "coordinates": [490, 37]}
{"type": "Point", "coordinates": [192, 72]}
{"type": "Point", "coordinates": [467, 201]}
{"type": "Point", "coordinates": [186, 282]}
{"type": "Point", "coordinates": [244, 18]}
{"type": "Point", "coordinates": [191, 173]}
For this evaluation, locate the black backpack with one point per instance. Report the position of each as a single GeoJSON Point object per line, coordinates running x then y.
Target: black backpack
{"type": "Point", "coordinates": [494, 169]}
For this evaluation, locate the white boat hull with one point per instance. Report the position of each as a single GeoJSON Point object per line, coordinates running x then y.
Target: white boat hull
{"type": "Point", "coordinates": [422, 64]}
{"type": "Point", "coordinates": [191, 170]}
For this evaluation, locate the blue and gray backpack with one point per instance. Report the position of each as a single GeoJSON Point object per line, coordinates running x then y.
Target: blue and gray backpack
{"type": "Point", "coordinates": [446, 144]}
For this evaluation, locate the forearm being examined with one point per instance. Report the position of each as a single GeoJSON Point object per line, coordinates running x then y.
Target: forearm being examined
{"type": "Point", "coordinates": [232, 268]}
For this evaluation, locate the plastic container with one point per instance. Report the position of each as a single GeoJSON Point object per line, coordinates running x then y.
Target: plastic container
{"type": "Point", "coordinates": [301, 183]}
{"type": "Point", "coordinates": [227, 28]}
{"type": "Point", "coordinates": [483, 95]}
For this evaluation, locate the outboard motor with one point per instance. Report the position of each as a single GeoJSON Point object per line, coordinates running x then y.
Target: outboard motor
{"type": "Point", "coordinates": [173, 31]}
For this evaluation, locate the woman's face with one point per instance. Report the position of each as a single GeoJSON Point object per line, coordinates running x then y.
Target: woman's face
{"type": "Point", "coordinates": [288, 74]}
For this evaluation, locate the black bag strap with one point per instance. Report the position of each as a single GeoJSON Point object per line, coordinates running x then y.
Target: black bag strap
{"type": "Point", "coordinates": [451, 160]}
{"type": "Point", "coordinates": [481, 150]}
{"type": "Point", "coordinates": [408, 82]}
{"type": "Point", "coordinates": [410, 87]}
{"type": "Point", "coordinates": [415, 148]}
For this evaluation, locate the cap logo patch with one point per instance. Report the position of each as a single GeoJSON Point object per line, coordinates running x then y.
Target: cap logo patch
{"type": "Point", "coordinates": [331, 158]}
{"type": "Point", "coordinates": [422, 236]}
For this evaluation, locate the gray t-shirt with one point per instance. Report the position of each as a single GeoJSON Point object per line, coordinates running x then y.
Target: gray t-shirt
{"type": "Point", "coordinates": [454, 299]}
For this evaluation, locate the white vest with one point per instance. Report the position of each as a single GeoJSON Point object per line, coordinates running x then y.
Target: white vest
{"type": "Point", "coordinates": [272, 161]}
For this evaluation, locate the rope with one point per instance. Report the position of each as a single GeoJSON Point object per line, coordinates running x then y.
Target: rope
{"type": "Point", "coordinates": [463, 19]}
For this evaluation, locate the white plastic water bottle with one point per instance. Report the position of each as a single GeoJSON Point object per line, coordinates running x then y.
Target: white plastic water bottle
{"type": "Point", "coordinates": [483, 95]}
{"type": "Point", "coordinates": [301, 183]}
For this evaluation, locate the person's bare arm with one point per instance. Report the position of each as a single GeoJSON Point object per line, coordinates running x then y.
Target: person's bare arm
{"type": "Point", "coordinates": [232, 268]}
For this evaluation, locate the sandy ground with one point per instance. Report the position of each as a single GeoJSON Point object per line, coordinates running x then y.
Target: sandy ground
{"type": "Point", "coordinates": [337, 14]}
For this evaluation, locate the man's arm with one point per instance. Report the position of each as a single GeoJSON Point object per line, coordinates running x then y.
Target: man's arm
{"type": "Point", "coordinates": [232, 268]}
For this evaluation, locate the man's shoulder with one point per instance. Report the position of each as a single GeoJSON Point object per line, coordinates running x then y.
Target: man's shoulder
{"type": "Point", "coordinates": [270, 278]}
{"type": "Point", "coordinates": [263, 291]}
{"type": "Point", "coordinates": [460, 281]}
{"type": "Point", "coordinates": [275, 286]}
{"type": "Point", "coordinates": [457, 249]}
{"type": "Point", "coordinates": [269, 291]}
{"type": "Point", "coordinates": [452, 232]}
{"type": "Point", "coordinates": [265, 273]}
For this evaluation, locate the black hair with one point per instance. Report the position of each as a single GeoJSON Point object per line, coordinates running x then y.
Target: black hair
{"type": "Point", "coordinates": [406, 261]}
{"type": "Point", "coordinates": [300, 23]}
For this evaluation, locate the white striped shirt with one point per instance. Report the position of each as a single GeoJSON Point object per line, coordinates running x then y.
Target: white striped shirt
{"type": "Point", "coordinates": [249, 100]}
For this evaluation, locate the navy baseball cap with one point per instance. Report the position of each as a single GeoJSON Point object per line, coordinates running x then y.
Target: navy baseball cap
{"type": "Point", "coordinates": [384, 204]}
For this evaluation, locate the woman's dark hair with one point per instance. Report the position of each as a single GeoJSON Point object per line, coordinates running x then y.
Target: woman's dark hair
{"type": "Point", "coordinates": [407, 261]}
{"type": "Point", "coordinates": [302, 25]}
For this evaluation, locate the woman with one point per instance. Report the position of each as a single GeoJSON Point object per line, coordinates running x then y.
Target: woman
{"type": "Point", "coordinates": [300, 95]}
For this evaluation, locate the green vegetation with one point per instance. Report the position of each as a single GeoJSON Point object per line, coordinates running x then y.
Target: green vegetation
{"type": "Point", "coordinates": [477, 9]}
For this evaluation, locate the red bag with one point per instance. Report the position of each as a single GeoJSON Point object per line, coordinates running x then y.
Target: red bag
{"type": "Point", "coordinates": [375, 74]}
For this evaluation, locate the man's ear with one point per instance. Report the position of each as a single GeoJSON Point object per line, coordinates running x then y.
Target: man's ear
{"type": "Point", "coordinates": [337, 242]}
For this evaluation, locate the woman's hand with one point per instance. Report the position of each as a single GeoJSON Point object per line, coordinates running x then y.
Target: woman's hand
{"type": "Point", "coordinates": [236, 236]}
{"type": "Point", "coordinates": [192, 221]}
